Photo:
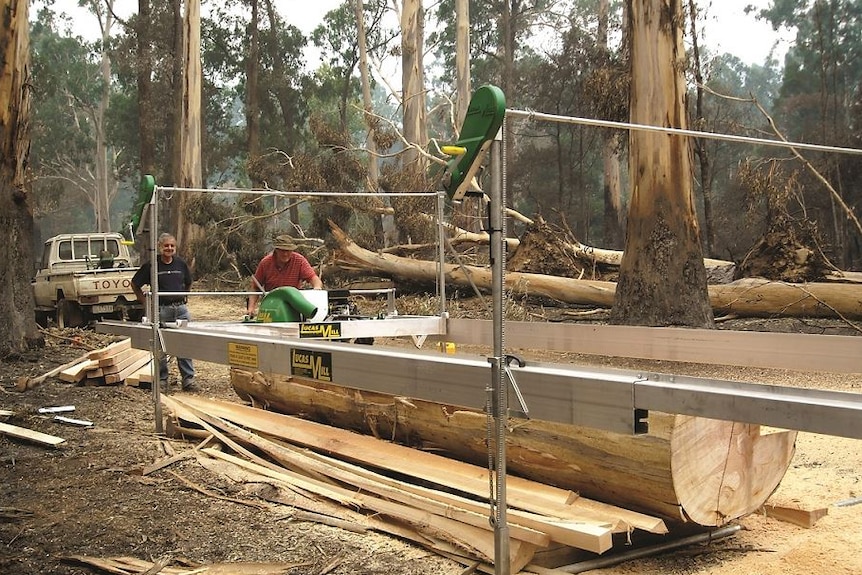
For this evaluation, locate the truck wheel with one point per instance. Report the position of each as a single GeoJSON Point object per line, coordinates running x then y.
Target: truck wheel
{"type": "Point", "coordinates": [69, 314]}
{"type": "Point", "coordinates": [135, 315]}
{"type": "Point", "coordinates": [42, 318]}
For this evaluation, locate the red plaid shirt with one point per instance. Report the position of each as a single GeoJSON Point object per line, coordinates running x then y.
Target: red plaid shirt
{"type": "Point", "coordinates": [293, 274]}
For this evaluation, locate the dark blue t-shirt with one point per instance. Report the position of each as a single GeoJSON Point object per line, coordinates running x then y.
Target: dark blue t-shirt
{"type": "Point", "coordinates": [173, 277]}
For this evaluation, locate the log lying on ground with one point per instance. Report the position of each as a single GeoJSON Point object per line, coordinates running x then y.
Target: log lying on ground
{"type": "Point", "coordinates": [747, 297]}
{"type": "Point", "coordinates": [584, 252]}
{"type": "Point", "coordinates": [686, 469]}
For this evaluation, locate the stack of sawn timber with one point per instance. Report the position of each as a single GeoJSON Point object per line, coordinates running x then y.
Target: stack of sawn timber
{"type": "Point", "coordinates": [685, 470]}
{"type": "Point", "coordinates": [116, 363]}
{"type": "Point", "coordinates": [435, 501]}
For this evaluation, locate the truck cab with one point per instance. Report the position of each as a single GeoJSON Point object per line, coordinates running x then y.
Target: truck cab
{"type": "Point", "coordinates": [84, 277]}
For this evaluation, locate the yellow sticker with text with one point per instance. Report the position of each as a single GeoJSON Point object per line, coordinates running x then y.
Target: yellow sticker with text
{"type": "Point", "coordinates": [243, 355]}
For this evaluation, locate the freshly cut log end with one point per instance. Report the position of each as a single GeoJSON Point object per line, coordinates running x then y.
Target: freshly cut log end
{"type": "Point", "coordinates": [723, 470]}
{"type": "Point", "coordinates": [687, 469]}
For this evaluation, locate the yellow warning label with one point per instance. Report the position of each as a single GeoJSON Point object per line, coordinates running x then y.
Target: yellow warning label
{"type": "Point", "coordinates": [242, 354]}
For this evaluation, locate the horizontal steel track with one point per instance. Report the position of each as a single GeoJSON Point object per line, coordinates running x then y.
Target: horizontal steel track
{"type": "Point", "coordinates": [794, 351]}
{"type": "Point", "coordinates": [608, 399]}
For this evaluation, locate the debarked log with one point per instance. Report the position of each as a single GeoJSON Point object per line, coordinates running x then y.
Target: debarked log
{"type": "Point", "coordinates": [750, 297]}
{"type": "Point", "coordinates": [687, 469]}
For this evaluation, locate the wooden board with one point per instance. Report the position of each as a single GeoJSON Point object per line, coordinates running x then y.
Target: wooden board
{"type": "Point", "coordinates": [575, 520]}
{"type": "Point", "coordinates": [126, 361]}
{"type": "Point", "coordinates": [117, 357]}
{"type": "Point", "coordinates": [78, 372]}
{"type": "Point", "coordinates": [30, 435]}
{"type": "Point", "coordinates": [795, 515]}
{"type": "Point", "coordinates": [141, 375]}
{"type": "Point", "coordinates": [111, 349]}
{"type": "Point", "coordinates": [684, 466]}
{"type": "Point", "coordinates": [128, 370]}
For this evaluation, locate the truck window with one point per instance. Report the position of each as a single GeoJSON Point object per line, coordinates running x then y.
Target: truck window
{"type": "Point", "coordinates": [46, 256]}
{"type": "Point", "coordinates": [81, 249]}
{"type": "Point", "coordinates": [114, 247]}
{"type": "Point", "coordinates": [65, 250]}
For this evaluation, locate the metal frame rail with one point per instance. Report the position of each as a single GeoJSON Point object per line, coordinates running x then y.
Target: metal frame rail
{"type": "Point", "coordinates": [157, 345]}
{"type": "Point", "coordinates": [609, 399]}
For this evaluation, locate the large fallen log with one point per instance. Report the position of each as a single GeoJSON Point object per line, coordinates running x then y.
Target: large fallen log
{"type": "Point", "coordinates": [686, 469]}
{"type": "Point", "coordinates": [750, 297]}
{"type": "Point", "coordinates": [584, 252]}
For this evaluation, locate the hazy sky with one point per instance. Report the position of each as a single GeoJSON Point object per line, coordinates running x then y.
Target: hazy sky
{"type": "Point", "coordinates": [727, 27]}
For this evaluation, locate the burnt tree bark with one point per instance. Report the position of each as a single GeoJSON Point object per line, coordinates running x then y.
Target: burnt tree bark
{"type": "Point", "coordinates": [18, 324]}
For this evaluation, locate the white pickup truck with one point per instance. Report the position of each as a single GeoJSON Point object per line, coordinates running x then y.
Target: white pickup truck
{"type": "Point", "coordinates": [85, 277]}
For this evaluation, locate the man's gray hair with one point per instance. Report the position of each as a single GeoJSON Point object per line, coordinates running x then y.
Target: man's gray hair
{"type": "Point", "coordinates": [165, 236]}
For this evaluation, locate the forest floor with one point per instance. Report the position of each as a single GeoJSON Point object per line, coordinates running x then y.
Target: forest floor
{"type": "Point", "coordinates": [89, 498]}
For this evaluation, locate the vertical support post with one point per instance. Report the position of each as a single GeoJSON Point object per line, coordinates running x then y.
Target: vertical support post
{"type": "Point", "coordinates": [441, 253]}
{"type": "Point", "coordinates": [497, 223]}
{"type": "Point", "coordinates": [156, 347]}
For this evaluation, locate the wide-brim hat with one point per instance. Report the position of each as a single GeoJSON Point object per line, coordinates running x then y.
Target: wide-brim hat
{"type": "Point", "coordinates": [284, 243]}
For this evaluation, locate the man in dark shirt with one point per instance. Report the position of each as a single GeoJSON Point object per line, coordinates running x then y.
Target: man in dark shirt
{"type": "Point", "coordinates": [173, 276]}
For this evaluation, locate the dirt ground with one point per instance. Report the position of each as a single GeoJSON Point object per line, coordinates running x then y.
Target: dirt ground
{"type": "Point", "coordinates": [88, 497]}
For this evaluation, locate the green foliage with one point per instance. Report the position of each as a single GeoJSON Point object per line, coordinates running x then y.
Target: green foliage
{"type": "Point", "coordinates": [819, 92]}
{"type": "Point", "coordinates": [66, 91]}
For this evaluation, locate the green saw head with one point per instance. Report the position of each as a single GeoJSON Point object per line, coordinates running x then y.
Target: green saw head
{"type": "Point", "coordinates": [481, 124]}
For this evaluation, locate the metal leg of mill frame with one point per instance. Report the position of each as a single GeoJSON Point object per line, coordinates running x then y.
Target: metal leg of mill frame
{"type": "Point", "coordinates": [498, 380]}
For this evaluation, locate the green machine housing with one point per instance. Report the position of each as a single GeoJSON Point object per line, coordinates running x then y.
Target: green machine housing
{"type": "Point", "coordinates": [481, 124]}
{"type": "Point", "coordinates": [284, 304]}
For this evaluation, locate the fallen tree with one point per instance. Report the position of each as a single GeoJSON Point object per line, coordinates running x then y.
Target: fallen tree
{"type": "Point", "coordinates": [751, 297]}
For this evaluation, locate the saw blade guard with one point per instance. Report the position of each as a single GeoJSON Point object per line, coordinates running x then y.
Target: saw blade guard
{"type": "Point", "coordinates": [285, 304]}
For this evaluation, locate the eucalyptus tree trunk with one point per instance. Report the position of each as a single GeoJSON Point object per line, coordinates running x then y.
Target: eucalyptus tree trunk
{"type": "Point", "coordinates": [614, 217]}
{"type": "Point", "coordinates": [252, 105]}
{"type": "Point", "coordinates": [144, 69]}
{"type": "Point", "coordinates": [191, 173]}
{"type": "Point", "coordinates": [283, 90]}
{"type": "Point", "coordinates": [169, 210]}
{"type": "Point", "coordinates": [370, 143]}
{"type": "Point", "coordinates": [471, 207]}
{"type": "Point", "coordinates": [17, 324]}
{"type": "Point", "coordinates": [662, 276]}
{"type": "Point", "coordinates": [413, 84]}
{"type": "Point", "coordinates": [106, 187]}
{"type": "Point", "coordinates": [462, 59]}
{"type": "Point", "coordinates": [707, 174]}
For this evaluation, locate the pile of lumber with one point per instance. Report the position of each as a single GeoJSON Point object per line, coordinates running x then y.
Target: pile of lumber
{"type": "Point", "coordinates": [686, 469]}
{"type": "Point", "coordinates": [435, 501]}
{"type": "Point", "coordinates": [116, 363]}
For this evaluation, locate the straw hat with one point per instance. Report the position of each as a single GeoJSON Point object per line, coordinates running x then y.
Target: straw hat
{"type": "Point", "coordinates": [284, 243]}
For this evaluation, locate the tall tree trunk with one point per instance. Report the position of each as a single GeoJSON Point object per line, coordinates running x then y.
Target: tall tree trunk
{"type": "Point", "coordinates": [385, 224]}
{"type": "Point", "coordinates": [700, 147]}
{"type": "Point", "coordinates": [283, 91]}
{"type": "Point", "coordinates": [662, 277]}
{"type": "Point", "coordinates": [169, 210]}
{"type": "Point", "coordinates": [252, 106]}
{"type": "Point", "coordinates": [17, 324]}
{"type": "Point", "coordinates": [190, 168]}
{"type": "Point", "coordinates": [105, 187]}
{"type": "Point", "coordinates": [370, 144]}
{"type": "Point", "coordinates": [614, 217]}
{"type": "Point", "coordinates": [463, 92]}
{"type": "Point", "coordinates": [413, 84]}
{"type": "Point", "coordinates": [462, 59]}
{"type": "Point", "coordinates": [146, 137]}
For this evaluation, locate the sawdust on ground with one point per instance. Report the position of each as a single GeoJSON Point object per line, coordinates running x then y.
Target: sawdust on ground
{"type": "Point", "coordinates": [89, 498]}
